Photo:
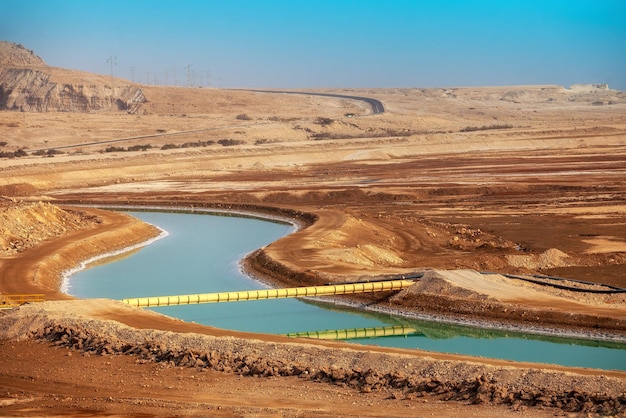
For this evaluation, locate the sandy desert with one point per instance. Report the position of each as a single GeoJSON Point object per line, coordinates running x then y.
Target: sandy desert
{"type": "Point", "coordinates": [516, 180]}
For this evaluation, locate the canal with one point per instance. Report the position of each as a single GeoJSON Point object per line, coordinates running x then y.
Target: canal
{"type": "Point", "coordinates": [201, 254]}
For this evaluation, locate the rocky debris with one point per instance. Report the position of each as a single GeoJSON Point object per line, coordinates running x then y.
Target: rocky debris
{"type": "Point", "coordinates": [466, 238]}
{"type": "Point", "coordinates": [484, 387]}
{"type": "Point", "coordinates": [546, 260]}
{"type": "Point", "coordinates": [24, 225]}
{"type": "Point", "coordinates": [434, 283]}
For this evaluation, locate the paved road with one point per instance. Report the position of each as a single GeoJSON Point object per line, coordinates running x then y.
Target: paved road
{"type": "Point", "coordinates": [377, 105]}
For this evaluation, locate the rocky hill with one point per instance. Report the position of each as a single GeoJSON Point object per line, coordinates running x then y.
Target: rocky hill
{"type": "Point", "coordinates": [28, 84]}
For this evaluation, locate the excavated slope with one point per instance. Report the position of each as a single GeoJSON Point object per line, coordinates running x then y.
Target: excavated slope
{"type": "Point", "coordinates": [25, 224]}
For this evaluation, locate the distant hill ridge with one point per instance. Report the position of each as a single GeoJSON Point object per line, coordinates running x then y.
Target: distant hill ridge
{"type": "Point", "coordinates": [28, 84]}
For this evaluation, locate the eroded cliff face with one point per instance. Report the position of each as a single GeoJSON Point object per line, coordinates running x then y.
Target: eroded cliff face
{"type": "Point", "coordinates": [27, 84]}
{"type": "Point", "coordinates": [33, 90]}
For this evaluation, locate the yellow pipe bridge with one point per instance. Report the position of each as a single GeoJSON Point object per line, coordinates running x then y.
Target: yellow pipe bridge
{"type": "Point", "coordinates": [11, 301]}
{"type": "Point", "coordinates": [291, 292]}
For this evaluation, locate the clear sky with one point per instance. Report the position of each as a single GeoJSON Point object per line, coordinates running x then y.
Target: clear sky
{"type": "Point", "coordinates": [329, 43]}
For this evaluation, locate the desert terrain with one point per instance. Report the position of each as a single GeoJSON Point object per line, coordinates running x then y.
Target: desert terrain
{"type": "Point", "coordinates": [528, 181]}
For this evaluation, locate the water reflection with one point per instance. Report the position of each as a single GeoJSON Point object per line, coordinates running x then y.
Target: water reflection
{"type": "Point", "coordinates": [438, 330]}
{"type": "Point", "coordinates": [354, 333]}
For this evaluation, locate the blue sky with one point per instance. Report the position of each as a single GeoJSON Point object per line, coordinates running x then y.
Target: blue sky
{"type": "Point", "coordinates": [329, 43]}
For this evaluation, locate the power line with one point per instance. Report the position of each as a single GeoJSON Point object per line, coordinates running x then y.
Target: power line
{"type": "Point", "coordinates": [113, 61]}
{"type": "Point", "coordinates": [189, 75]}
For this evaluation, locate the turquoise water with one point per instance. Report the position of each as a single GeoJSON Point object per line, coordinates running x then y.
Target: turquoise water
{"type": "Point", "coordinates": [201, 254]}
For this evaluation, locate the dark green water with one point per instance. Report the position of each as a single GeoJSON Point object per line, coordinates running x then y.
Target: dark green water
{"type": "Point", "coordinates": [201, 254]}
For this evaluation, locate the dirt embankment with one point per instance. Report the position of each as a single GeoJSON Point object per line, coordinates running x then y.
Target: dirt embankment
{"type": "Point", "coordinates": [39, 241]}
{"type": "Point", "coordinates": [436, 297]}
{"type": "Point", "coordinates": [407, 376]}
{"type": "Point", "coordinates": [25, 225]}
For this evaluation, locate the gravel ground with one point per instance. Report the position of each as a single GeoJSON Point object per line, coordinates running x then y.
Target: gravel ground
{"type": "Point", "coordinates": [411, 375]}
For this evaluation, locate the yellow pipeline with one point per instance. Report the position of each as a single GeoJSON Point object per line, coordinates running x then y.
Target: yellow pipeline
{"type": "Point", "coordinates": [292, 292]}
{"type": "Point", "coordinates": [10, 301]}
{"type": "Point", "coordinates": [349, 334]}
